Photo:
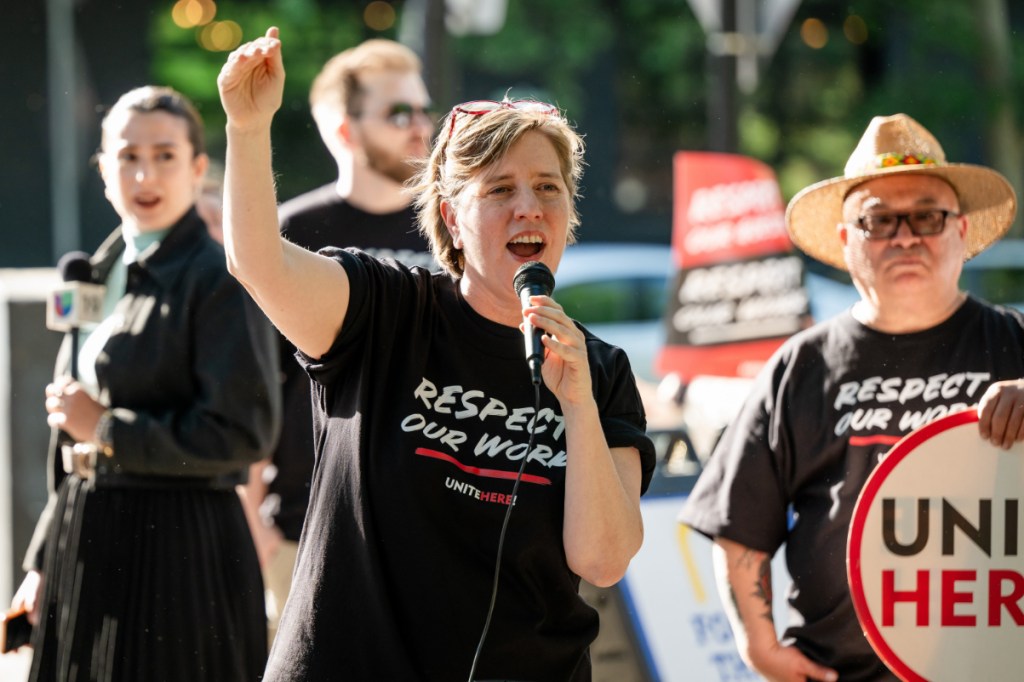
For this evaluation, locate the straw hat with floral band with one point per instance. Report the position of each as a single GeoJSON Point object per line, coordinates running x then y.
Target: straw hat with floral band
{"type": "Point", "coordinates": [899, 144]}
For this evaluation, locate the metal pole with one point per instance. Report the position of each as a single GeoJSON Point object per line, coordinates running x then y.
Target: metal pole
{"type": "Point", "coordinates": [60, 67]}
{"type": "Point", "coordinates": [423, 30]}
{"type": "Point", "coordinates": [722, 126]}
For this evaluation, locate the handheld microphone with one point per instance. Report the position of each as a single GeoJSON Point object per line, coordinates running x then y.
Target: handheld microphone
{"type": "Point", "coordinates": [76, 303]}
{"type": "Point", "coordinates": [533, 279]}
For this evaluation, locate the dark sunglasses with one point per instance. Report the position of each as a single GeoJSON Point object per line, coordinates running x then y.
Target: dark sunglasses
{"type": "Point", "coordinates": [921, 223]}
{"type": "Point", "coordinates": [402, 115]}
{"type": "Point", "coordinates": [485, 106]}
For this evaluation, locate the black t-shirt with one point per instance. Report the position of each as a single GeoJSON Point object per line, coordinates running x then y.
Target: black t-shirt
{"type": "Point", "coordinates": [421, 414]}
{"type": "Point", "coordinates": [827, 406]}
{"type": "Point", "coordinates": [314, 220]}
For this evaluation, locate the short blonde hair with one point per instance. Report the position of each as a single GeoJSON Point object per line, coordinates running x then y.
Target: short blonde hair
{"type": "Point", "coordinates": [471, 143]}
{"type": "Point", "coordinates": [339, 85]}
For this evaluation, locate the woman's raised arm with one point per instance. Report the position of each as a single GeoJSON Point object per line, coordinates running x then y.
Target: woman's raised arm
{"type": "Point", "coordinates": [305, 295]}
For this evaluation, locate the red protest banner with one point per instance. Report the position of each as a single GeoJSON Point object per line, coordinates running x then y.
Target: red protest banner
{"type": "Point", "coordinates": [738, 291]}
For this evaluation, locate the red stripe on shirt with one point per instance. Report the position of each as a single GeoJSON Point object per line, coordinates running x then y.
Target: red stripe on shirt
{"type": "Point", "coordinates": [485, 473]}
{"type": "Point", "coordinates": [874, 440]}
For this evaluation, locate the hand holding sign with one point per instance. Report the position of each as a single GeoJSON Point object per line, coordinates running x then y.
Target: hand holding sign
{"type": "Point", "coordinates": [1001, 413]}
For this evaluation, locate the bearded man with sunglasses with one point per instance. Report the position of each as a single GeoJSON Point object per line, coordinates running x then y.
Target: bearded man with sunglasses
{"type": "Point", "coordinates": [836, 397]}
{"type": "Point", "coordinates": [373, 112]}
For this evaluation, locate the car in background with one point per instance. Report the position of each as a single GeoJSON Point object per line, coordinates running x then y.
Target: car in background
{"type": "Point", "coordinates": [619, 291]}
{"type": "Point", "coordinates": [996, 274]}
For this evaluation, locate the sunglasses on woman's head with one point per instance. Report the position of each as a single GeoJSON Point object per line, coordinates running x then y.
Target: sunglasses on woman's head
{"type": "Point", "coordinates": [485, 106]}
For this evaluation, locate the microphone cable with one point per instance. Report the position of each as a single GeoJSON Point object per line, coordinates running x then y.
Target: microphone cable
{"type": "Point", "coordinates": [501, 536]}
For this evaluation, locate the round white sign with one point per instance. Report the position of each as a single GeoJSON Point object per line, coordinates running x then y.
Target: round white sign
{"type": "Point", "coordinates": [935, 557]}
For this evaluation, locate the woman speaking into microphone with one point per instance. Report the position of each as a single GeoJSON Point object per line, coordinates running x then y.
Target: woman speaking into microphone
{"type": "Point", "coordinates": [428, 426]}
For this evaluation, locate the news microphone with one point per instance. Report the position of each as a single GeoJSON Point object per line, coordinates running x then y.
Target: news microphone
{"type": "Point", "coordinates": [533, 279]}
{"type": "Point", "coordinates": [76, 303]}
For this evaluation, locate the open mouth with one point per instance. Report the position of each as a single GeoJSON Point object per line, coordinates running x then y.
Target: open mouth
{"type": "Point", "coordinates": [526, 246]}
{"type": "Point", "coordinates": [147, 201]}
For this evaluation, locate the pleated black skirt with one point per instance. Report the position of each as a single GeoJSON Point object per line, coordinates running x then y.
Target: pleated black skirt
{"type": "Point", "coordinates": [149, 585]}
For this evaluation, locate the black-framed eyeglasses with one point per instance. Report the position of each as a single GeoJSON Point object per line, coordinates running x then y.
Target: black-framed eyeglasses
{"type": "Point", "coordinates": [484, 106]}
{"type": "Point", "coordinates": [402, 115]}
{"type": "Point", "coordinates": [923, 223]}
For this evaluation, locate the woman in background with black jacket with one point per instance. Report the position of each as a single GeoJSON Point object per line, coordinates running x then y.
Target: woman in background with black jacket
{"type": "Point", "coordinates": [142, 566]}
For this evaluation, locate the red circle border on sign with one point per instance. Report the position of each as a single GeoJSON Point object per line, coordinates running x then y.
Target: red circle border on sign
{"type": "Point", "coordinates": [901, 450]}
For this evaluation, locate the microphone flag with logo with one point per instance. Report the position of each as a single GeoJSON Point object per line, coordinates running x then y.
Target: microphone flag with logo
{"type": "Point", "coordinates": [77, 302]}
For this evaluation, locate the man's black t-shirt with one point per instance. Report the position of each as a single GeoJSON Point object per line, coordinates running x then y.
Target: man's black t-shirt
{"type": "Point", "coordinates": [828, 405]}
{"type": "Point", "coordinates": [315, 220]}
{"type": "Point", "coordinates": [422, 412]}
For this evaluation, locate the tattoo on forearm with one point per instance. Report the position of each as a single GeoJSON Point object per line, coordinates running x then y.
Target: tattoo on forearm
{"type": "Point", "coordinates": [762, 588]}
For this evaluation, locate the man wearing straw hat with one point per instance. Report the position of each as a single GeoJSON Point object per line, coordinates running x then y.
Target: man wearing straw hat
{"type": "Point", "coordinates": [837, 396]}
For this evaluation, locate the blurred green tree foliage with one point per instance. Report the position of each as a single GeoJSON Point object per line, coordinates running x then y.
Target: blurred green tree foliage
{"type": "Point", "coordinates": [637, 70]}
{"type": "Point", "coordinates": [312, 32]}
